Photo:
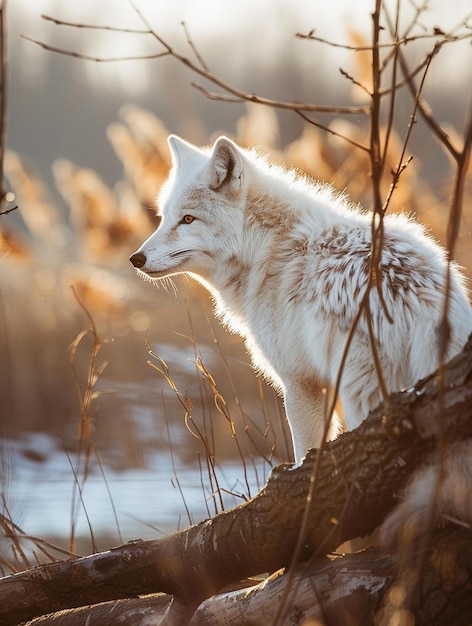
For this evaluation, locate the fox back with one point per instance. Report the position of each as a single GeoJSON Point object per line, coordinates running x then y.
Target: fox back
{"type": "Point", "coordinates": [288, 263]}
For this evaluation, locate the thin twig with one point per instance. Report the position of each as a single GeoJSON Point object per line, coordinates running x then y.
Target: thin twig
{"type": "Point", "coordinates": [458, 186]}
{"type": "Point", "coordinates": [394, 92]}
{"type": "Point", "coordinates": [391, 44]}
{"type": "Point", "coordinates": [86, 57]}
{"type": "Point", "coordinates": [424, 110]}
{"type": "Point", "coordinates": [402, 164]}
{"type": "Point", "coordinates": [453, 226]}
{"type": "Point", "coordinates": [329, 130]}
{"type": "Point", "coordinates": [201, 69]}
{"type": "Point", "coordinates": [7, 211]}
{"type": "Point", "coordinates": [364, 308]}
{"type": "Point", "coordinates": [237, 96]}
{"type": "Point", "coordinates": [86, 445]}
{"type": "Point", "coordinates": [194, 48]}
{"type": "Point", "coordinates": [115, 29]}
{"type": "Point", "coordinates": [354, 81]}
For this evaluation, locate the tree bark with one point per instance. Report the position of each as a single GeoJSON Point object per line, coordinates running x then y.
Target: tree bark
{"type": "Point", "coordinates": [350, 590]}
{"type": "Point", "coordinates": [356, 477]}
{"type": "Point", "coordinates": [129, 612]}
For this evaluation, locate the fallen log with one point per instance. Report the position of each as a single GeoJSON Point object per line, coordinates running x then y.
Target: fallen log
{"type": "Point", "coordinates": [351, 589]}
{"type": "Point", "coordinates": [357, 479]}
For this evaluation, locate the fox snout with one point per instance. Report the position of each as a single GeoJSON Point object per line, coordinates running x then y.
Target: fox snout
{"type": "Point", "coordinates": [138, 259]}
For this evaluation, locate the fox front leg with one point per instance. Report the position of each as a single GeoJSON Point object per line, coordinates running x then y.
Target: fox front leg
{"type": "Point", "coordinates": [307, 407]}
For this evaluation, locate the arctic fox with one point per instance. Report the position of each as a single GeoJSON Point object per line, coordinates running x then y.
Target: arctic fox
{"type": "Point", "coordinates": [287, 262]}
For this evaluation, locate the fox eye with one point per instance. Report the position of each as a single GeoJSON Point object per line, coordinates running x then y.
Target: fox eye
{"type": "Point", "coordinates": [187, 219]}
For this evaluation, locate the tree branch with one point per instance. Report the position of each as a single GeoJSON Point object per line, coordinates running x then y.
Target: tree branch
{"type": "Point", "coordinates": [87, 57]}
{"type": "Point", "coordinates": [114, 29]}
{"type": "Point", "coordinates": [7, 211]}
{"type": "Point", "coordinates": [351, 590]}
{"type": "Point", "coordinates": [406, 39]}
{"type": "Point", "coordinates": [199, 67]}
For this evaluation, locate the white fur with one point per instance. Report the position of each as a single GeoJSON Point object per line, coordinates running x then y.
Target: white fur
{"type": "Point", "coordinates": [287, 262]}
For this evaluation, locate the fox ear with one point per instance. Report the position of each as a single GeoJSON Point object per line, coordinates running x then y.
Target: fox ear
{"type": "Point", "coordinates": [226, 165]}
{"type": "Point", "coordinates": [182, 151]}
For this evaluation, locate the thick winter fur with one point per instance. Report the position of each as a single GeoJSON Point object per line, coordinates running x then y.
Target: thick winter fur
{"type": "Point", "coordinates": [287, 262]}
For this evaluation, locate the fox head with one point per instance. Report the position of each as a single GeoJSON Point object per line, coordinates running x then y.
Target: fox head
{"type": "Point", "coordinates": [199, 220]}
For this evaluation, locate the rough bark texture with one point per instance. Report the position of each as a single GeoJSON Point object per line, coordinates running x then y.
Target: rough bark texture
{"type": "Point", "coordinates": [350, 591]}
{"type": "Point", "coordinates": [357, 478]}
{"type": "Point", "coordinates": [132, 612]}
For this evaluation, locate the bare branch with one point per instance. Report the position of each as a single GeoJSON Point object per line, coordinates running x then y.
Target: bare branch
{"type": "Point", "coordinates": [242, 96]}
{"type": "Point", "coordinates": [402, 164]}
{"type": "Point", "coordinates": [393, 99]}
{"type": "Point", "coordinates": [462, 162]}
{"type": "Point", "coordinates": [455, 213]}
{"type": "Point", "coordinates": [233, 94]}
{"type": "Point", "coordinates": [329, 130]}
{"type": "Point", "coordinates": [354, 81]}
{"type": "Point", "coordinates": [115, 29]}
{"type": "Point", "coordinates": [221, 97]}
{"type": "Point", "coordinates": [446, 38]}
{"type": "Point", "coordinates": [196, 52]}
{"type": "Point", "coordinates": [238, 93]}
{"type": "Point", "coordinates": [424, 110]}
{"type": "Point", "coordinates": [86, 57]}
{"type": "Point", "coordinates": [7, 211]}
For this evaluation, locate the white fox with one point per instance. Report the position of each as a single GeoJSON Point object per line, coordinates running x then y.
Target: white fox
{"type": "Point", "coordinates": [287, 262]}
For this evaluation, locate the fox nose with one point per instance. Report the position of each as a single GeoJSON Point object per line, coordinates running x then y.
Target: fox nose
{"type": "Point", "coordinates": [138, 259]}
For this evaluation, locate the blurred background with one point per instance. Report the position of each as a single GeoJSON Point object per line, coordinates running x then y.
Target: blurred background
{"type": "Point", "coordinates": [98, 445]}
